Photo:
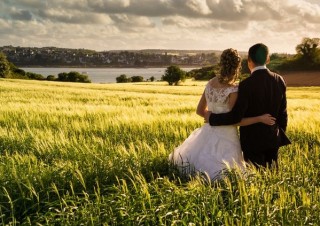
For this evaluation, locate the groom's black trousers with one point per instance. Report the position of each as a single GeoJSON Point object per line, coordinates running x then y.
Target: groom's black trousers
{"type": "Point", "coordinates": [262, 158]}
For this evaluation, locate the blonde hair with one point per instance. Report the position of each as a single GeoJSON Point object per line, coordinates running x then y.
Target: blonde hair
{"type": "Point", "coordinates": [230, 63]}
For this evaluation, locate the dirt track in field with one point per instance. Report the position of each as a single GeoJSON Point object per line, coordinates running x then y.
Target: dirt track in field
{"type": "Point", "coordinates": [302, 78]}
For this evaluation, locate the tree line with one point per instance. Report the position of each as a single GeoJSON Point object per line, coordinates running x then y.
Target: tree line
{"type": "Point", "coordinates": [307, 58]}
{"type": "Point", "coordinates": [9, 70]}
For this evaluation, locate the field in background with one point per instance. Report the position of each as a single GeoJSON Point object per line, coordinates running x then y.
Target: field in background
{"type": "Point", "coordinates": [302, 78]}
{"type": "Point", "coordinates": [96, 154]}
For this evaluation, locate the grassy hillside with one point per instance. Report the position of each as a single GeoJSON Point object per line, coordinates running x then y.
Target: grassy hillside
{"type": "Point", "coordinates": [96, 154]}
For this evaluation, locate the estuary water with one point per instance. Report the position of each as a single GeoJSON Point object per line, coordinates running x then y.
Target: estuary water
{"type": "Point", "coordinates": [104, 75]}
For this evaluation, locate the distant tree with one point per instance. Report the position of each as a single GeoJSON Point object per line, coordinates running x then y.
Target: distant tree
{"type": "Point", "coordinates": [78, 77]}
{"type": "Point", "coordinates": [51, 78]}
{"type": "Point", "coordinates": [137, 79]}
{"type": "Point", "coordinates": [73, 76]}
{"type": "Point", "coordinates": [307, 57]}
{"type": "Point", "coordinates": [275, 56]}
{"type": "Point", "coordinates": [34, 76]}
{"type": "Point", "coordinates": [276, 61]}
{"type": "Point", "coordinates": [173, 75]}
{"type": "Point", "coordinates": [9, 70]}
{"type": "Point", "coordinates": [84, 78]}
{"type": "Point", "coordinates": [63, 77]}
{"type": "Point", "coordinates": [16, 72]}
{"type": "Point", "coordinates": [308, 50]}
{"type": "Point", "coordinates": [204, 73]}
{"type": "Point", "coordinates": [4, 66]}
{"type": "Point", "coordinates": [152, 78]}
{"type": "Point", "coordinates": [244, 67]}
{"type": "Point", "coordinates": [123, 79]}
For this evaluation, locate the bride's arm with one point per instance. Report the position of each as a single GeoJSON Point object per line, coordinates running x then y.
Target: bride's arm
{"type": "Point", "coordinates": [265, 119]}
{"type": "Point", "coordinates": [202, 106]}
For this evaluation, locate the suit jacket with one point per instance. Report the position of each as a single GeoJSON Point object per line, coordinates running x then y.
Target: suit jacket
{"type": "Point", "coordinates": [263, 92]}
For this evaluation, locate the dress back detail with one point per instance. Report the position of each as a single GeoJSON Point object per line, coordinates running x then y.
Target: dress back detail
{"type": "Point", "coordinates": [218, 98]}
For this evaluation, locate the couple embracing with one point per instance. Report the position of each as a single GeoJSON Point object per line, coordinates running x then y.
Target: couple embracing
{"type": "Point", "coordinates": [257, 104]}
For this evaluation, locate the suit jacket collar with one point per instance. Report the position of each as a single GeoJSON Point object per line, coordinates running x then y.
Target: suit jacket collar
{"type": "Point", "coordinates": [258, 68]}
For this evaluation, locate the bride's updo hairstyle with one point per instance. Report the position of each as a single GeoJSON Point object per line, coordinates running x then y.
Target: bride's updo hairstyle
{"type": "Point", "coordinates": [230, 63]}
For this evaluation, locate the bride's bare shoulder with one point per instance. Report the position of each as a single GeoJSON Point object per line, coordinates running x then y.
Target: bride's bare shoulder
{"type": "Point", "coordinates": [213, 82]}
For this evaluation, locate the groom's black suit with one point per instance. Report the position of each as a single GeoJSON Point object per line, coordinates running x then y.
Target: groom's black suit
{"type": "Point", "coordinates": [263, 92]}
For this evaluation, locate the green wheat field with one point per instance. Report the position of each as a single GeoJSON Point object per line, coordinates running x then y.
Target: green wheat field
{"type": "Point", "coordinates": [97, 154]}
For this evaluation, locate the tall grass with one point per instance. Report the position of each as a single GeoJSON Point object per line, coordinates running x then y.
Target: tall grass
{"type": "Point", "coordinates": [96, 154]}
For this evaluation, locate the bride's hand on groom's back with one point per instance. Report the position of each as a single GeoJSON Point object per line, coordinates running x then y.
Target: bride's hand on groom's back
{"type": "Point", "coordinates": [267, 119]}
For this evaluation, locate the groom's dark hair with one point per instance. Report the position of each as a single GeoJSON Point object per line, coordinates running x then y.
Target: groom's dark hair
{"type": "Point", "coordinates": [258, 53]}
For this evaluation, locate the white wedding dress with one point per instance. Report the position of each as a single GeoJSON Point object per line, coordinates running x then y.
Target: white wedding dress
{"type": "Point", "coordinates": [210, 149]}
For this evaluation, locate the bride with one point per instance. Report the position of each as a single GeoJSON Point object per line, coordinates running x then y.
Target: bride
{"type": "Point", "coordinates": [211, 149]}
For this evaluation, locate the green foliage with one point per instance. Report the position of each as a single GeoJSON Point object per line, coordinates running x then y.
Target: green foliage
{"type": "Point", "coordinates": [34, 76]}
{"type": "Point", "coordinates": [62, 76]}
{"type": "Point", "coordinates": [243, 76]}
{"type": "Point", "coordinates": [244, 66]}
{"type": "Point", "coordinates": [9, 70]}
{"type": "Point", "coordinates": [73, 76]}
{"type": "Point", "coordinates": [4, 66]}
{"type": "Point", "coordinates": [51, 78]}
{"type": "Point", "coordinates": [173, 75]}
{"type": "Point", "coordinates": [152, 78]}
{"type": "Point", "coordinates": [309, 50]}
{"type": "Point", "coordinates": [204, 73]}
{"type": "Point", "coordinates": [307, 57]}
{"type": "Point", "coordinates": [137, 79]}
{"type": "Point", "coordinates": [123, 79]}
{"type": "Point", "coordinates": [18, 73]}
{"type": "Point", "coordinates": [277, 60]}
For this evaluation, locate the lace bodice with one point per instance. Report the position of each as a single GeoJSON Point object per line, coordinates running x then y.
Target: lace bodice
{"type": "Point", "coordinates": [218, 98]}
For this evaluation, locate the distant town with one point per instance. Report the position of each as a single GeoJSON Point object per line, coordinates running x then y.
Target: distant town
{"type": "Point", "coordinates": [64, 57]}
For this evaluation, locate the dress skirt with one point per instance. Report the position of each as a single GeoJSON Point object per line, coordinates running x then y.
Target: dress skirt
{"type": "Point", "coordinates": [209, 150]}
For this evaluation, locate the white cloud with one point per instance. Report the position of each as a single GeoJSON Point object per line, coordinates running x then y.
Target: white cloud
{"type": "Point", "coordinates": [199, 6]}
{"type": "Point", "coordinates": [131, 23]}
{"type": "Point", "coordinates": [188, 23]}
{"type": "Point", "coordinates": [139, 24]}
{"type": "Point", "coordinates": [21, 14]}
{"type": "Point", "coordinates": [227, 9]}
{"type": "Point", "coordinates": [309, 12]}
{"type": "Point", "coordinates": [73, 16]}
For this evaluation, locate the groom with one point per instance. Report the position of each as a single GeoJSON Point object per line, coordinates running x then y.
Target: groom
{"type": "Point", "coordinates": [263, 92]}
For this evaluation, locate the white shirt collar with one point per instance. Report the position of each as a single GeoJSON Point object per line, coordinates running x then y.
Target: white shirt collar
{"type": "Point", "coordinates": [258, 68]}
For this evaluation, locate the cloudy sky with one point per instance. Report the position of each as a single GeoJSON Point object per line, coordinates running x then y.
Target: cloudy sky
{"type": "Point", "coordinates": [159, 24]}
